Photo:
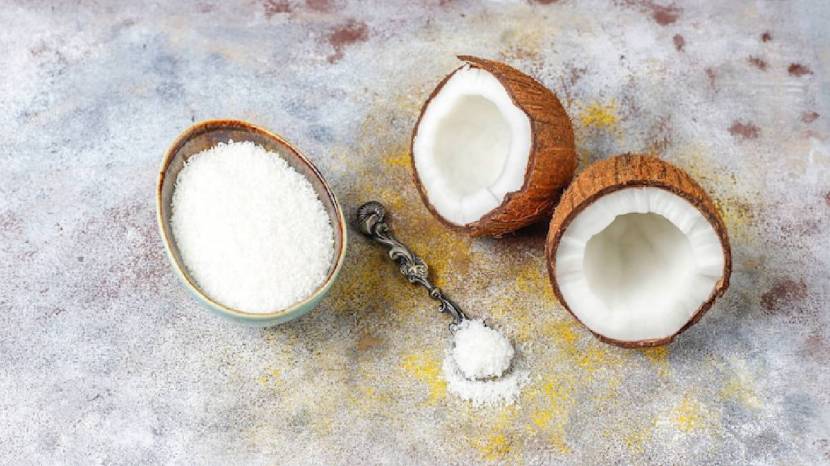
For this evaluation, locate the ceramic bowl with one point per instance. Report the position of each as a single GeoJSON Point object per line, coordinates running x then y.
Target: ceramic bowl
{"type": "Point", "coordinates": [207, 134]}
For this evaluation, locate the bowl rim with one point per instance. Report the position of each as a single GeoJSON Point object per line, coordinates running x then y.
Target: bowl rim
{"type": "Point", "coordinates": [204, 126]}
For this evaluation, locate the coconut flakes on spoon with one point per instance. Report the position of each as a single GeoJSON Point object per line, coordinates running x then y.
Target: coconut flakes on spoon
{"type": "Point", "coordinates": [478, 366]}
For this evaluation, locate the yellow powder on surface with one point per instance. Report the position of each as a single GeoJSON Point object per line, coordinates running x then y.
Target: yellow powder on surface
{"type": "Point", "coordinates": [659, 356]}
{"type": "Point", "coordinates": [524, 42]}
{"type": "Point", "coordinates": [563, 333]}
{"type": "Point", "coordinates": [581, 364]}
{"type": "Point", "coordinates": [272, 376]}
{"type": "Point", "coordinates": [739, 387]}
{"type": "Point", "coordinates": [738, 216]}
{"type": "Point", "coordinates": [426, 369]}
{"type": "Point", "coordinates": [521, 323]}
{"type": "Point", "coordinates": [553, 417]}
{"type": "Point", "coordinates": [399, 160]}
{"type": "Point", "coordinates": [494, 447]}
{"type": "Point", "coordinates": [734, 200]}
{"type": "Point", "coordinates": [595, 357]}
{"type": "Point", "coordinates": [689, 415]}
{"type": "Point", "coordinates": [532, 278]}
{"type": "Point", "coordinates": [635, 439]}
{"type": "Point", "coordinates": [599, 115]}
{"type": "Point", "coordinates": [491, 432]}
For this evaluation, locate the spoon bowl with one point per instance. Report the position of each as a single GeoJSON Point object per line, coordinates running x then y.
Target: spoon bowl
{"type": "Point", "coordinates": [206, 134]}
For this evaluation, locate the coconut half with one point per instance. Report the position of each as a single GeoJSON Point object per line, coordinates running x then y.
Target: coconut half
{"type": "Point", "coordinates": [492, 149]}
{"type": "Point", "coordinates": [637, 251]}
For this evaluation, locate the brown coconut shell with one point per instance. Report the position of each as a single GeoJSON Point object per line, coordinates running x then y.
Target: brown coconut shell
{"type": "Point", "coordinates": [624, 171]}
{"type": "Point", "coordinates": [552, 160]}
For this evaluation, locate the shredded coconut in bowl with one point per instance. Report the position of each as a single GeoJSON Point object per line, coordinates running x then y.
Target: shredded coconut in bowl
{"type": "Point", "coordinates": [250, 229]}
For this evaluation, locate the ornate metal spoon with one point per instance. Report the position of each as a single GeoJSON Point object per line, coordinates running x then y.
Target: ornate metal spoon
{"type": "Point", "coordinates": [369, 219]}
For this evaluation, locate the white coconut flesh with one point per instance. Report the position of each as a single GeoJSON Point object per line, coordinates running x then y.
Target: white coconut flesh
{"type": "Point", "coordinates": [638, 263]}
{"type": "Point", "coordinates": [471, 147]}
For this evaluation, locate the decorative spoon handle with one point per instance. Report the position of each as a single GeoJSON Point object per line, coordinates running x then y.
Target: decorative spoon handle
{"type": "Point", "coordinates": [370, 222]}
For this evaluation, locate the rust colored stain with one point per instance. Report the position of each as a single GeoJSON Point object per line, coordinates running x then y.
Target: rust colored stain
{"type": "Point", "coordinates": [809, 117]}
{"type": "Point", "coordinates": [798, 70]}
{"type": "Point", "coordinates": [816, 346]}
{"type": "Point", "coordinates": [827, 198]}
{"type": "Point", "coordinates": [679, 42]}
{"type": "Point", "coordinates": [783, 292]}
{"type": "Point", "coordinates": [319, 5]}
{"type": "Point", "coordinates": [205, 8]}
{"type": "Point", "coordinates": [745, 130]}
{"type": "Point", "coordinates": [273, 7]}
{"type": "Point", "coordinates": [575, 74]}
{"type": "Point", "coordinates": [712, 76]}
{"type": "Point", "coordinates": [344, 36]}
{"type": "Point", "coordinates": [766, 36]}
{"type": "Point", "coordinates": [545, 2]}
{"type": "Point", "coordinates": [660, 135]}
{"type": "Point", "coordinates": [569, 79]}
{"type": "Point", "coordinates": [664, 15]}
{"type": "Point", "coordinates": [757, 63]}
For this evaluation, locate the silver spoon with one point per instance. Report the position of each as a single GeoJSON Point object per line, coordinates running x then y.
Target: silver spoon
{"type": "Point", "coordinates": [369, 220]}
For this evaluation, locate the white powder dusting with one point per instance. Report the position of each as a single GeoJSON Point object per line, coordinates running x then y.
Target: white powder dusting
{"type": "Point", "coordinates": [476, 368]}
{"type": "Point", "coordinates": [250, 229]}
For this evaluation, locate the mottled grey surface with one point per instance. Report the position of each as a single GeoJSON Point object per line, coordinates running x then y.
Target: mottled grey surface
{"type": "Point", "coordinates": [104, 358]}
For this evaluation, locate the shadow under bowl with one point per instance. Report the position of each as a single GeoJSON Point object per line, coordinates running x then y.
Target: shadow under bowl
{"type": "Point", "coordinates": [206, 134]}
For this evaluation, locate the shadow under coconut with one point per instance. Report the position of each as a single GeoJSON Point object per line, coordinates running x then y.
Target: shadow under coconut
{"type": "Point", "coordinates": [530, 237]}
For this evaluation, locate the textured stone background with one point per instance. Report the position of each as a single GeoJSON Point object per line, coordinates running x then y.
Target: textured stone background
{"type": "Point", "coordinates": [104, 358]}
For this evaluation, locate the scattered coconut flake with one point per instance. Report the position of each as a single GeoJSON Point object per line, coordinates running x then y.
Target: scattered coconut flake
{"type": "Point", "coordinates": [481, 352]}
{"type": "Point", "coordinates": [490, 392]}
{"type": "Point", "coordinates": [477, 367]}
{"type": "Point", "coordinates": [250, 229]}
